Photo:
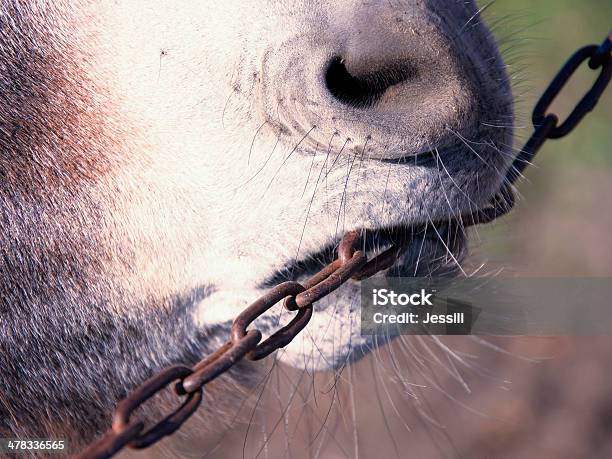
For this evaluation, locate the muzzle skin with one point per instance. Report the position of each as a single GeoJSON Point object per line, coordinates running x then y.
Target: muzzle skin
{"type": "Point", "coordinates": [164, 163]}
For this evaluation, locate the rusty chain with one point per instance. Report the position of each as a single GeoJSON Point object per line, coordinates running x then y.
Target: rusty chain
{"type": "Point", "coordinates": [243, 344]}
{"type": "Point", "coordinates": [350, 264]}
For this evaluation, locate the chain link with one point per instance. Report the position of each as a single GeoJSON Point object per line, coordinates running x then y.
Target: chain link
{"type": "Point", "coordinates": [546, 125]}
{"type": "Point", "coordinates": [350, 264]}
{"type": "Point", "coordinates": [243, 344]}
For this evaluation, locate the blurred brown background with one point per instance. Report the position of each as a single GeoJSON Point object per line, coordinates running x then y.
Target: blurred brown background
{"type": "Point", "coordinates": [531, 397]}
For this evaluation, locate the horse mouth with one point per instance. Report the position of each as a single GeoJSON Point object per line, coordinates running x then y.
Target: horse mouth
{"type": "Point", "coordinates": [373, 242]}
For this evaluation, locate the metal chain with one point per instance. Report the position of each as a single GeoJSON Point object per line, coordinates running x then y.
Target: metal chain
{"type": "Point", "coordinates": [350, 264]}
{"type": "Point", "coordinates": [243, 344]}
{"type": "Point", "coordinates": [546, 126]}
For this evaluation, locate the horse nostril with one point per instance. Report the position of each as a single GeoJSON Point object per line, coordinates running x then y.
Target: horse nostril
{"type": "Point", "coordinates": [362, 91]}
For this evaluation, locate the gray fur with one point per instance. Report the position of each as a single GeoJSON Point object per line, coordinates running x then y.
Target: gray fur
{"type": "Point", "coordinates": [73, 339]}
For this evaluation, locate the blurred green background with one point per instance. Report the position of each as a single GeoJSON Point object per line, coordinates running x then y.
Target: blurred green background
{"type": "Point", "coordinates": [562, 224]}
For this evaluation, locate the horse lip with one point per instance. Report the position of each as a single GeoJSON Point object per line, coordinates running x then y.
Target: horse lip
{"type": "Point", "coordinates": [374, 241]}
{"type": "Point", "coordinates": [424, 158]}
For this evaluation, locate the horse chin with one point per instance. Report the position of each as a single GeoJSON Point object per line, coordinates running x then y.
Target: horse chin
{"type": "Point", "coordinates": [333, 337]}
